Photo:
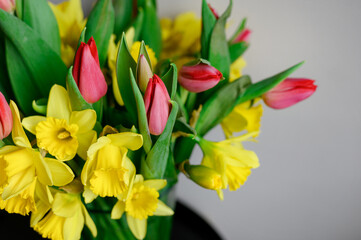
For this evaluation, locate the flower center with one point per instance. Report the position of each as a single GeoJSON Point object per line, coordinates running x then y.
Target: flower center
{"type": "Point", "coordinates": [142, 202]}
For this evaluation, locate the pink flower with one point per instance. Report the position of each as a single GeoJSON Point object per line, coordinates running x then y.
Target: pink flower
{"type": "Point", "coordinates": [199, 78]}
{"type": "Point", "coordinates": [87, 73]}
{"type": "Point", "coordinates": [7, 5]}
{"type": "Point", "coordinates": [289, 92]}
{"type": "Point", "coordinates": [243, 36]}
{"type": "Point", "coordinates": [6, 118]}
{"type": "Point", "coordinates": [157, 105]}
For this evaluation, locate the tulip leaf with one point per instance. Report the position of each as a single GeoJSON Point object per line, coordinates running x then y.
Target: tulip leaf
{"type": "Point", "coordinates": [218, 49]}
{"type": "Point", "coordinates": [208, 22]}
{"type": "Point", "coordinates": [137, 24]}
{"type": "Point", "coordinates": [40, 106]}
{"type": "Point", "coordinates": [76, 99]}
{"type": "Point", "coordinates": [142, 115]}
{"type": "Point", "coordinates": [81, 38]}
{"type": "Point", "coordinates": [39, 16]}
{"type": "Point", "coordinates": [5, 87]}
{"type": "Point", "coordinates": [123, 15]}
{"type": "Point", "coordinates": [261, 87]}
{"type": "Point", "coordinates": [182, 126]}
{"type": "Point", "coordinates": [154, 166]}
{"type": "Point", "coordinates": [98, 108]}
{"type": "Point", "coordinates": [220, 104]}
{"type": "Point", "coordinates": [33, 66]}
{"type": "Point", "coordinates": [151, 32]}
{"type": "Point", "coordinates": [19, 8]}
{"type": "Point", "coordinates": [124, 62]}
{"type": "Point", "coordinates": [170, 80]}
{"type": "Point", "coordinates": [236, 50]}
{"type": "Point", "coordinates": [100, 25]}
{"type": "Point", "coordinates": [240, 28]}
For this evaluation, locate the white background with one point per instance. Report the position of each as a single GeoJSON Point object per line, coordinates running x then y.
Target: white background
{"type": "Point", "coordinates": [308, 184]}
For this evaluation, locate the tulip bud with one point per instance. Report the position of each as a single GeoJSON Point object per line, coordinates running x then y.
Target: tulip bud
{"type": "Point", "coordinates": [144, 73]}
{"type": "Point", "coordinates": [243, 36]}
{"type": "Point", "coordinates": [6, 118]}
{"type": "Point", "coordinates": [213, 11]}
{"type": "Point", "coordinates": [199, 77]}
{"type": "Point", "coordinates": [157, 105]}
{"type": "Point", "coordinates": [203, 176]}
{"type": "Point", "coordinates": [289, 92]}
{"type": "Point", "coordinates": [7, 5]}
{"type": "Point", "coordinates": [87, 73]}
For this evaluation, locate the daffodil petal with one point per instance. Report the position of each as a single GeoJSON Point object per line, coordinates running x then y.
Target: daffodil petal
{"type": "Point", "coordinates": [18, 183]}
{"type": "Point", "coordinates": [41, 209]}
{"type": "Point", "coordinates": [30, 123]}
{"type": "Point", "coordinates": [137, 226]}
{"type": "Point", "coordinates": [163, 210]}
{"type": "Point", "coordinates": [155, 183]}
{"type": "Point", "coordinates": [220, 194]}
{"type": "Point", "coordinates": [84, 119]}
{"type": "Point", "coordinates": [85, 140]}
{"type": "Point", "coordinates": [89, 221]}
{"type": "Point", "coordinates": [132, 141]}
{"type": "Point", "coordinates": [243, 158]}
{"type": "Point", "coordinates": [61, 173]}
{"type": "Point", "coordinates": [118, 210]}
{"type": "Point", "coordinates": [65, 205]}
{"type": "Point", "coordinates": [88, 195]}
{"type": "Point", "coordinates": [18, 133]}
{"type": "Point", "coordinates": [42, 170]}
{"type": "Point", "coordinates": [59, 103]}
{"type": "Point", "coordinates": [73, 226]}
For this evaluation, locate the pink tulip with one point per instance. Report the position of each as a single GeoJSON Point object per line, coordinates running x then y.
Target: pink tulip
{"type": "Point", "coordinates": [289, 92]}
{"type": "Point", "coordinates": [213, 11]}
{"type": "Point", "coordinates": [243, 36]}
{"type": "Point", "coordinates": [7, 5]}
{"type": "Point", "coordinates": [6, 118]}
{"type": "Point", "coordinates": [199, 77]}
{"type": "Point", "coordinates": [157, 105]}
{"type": "Point", "coordinates": [87, 73]}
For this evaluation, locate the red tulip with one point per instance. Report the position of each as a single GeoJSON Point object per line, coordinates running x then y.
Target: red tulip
{"type": "Point", "coordinates": [87, 73]}
{"type": "Point", "coordinates": [199, 77]}
{"type": "Point", "coordinates": [6, 118]}
{"type": "Point", "coordinates": [213, 11]}
{"type": "Point", "coordinates": [157, 105]}
{"type": "Point", "coordinates": [243, 36]}
{"type": "Point", "coordinates": [7, 5]}
{"type": "Point", "coordinates": [289, 92]}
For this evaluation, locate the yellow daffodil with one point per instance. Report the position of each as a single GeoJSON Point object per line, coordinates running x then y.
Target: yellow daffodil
{"type": "Point", "coordinates": [244, 116]}
{"type": "Point", "coordinates": [236, 69]}
{"type": "Point", "coordinates": [139, 203]}
{"type": "Point", "coordinates": [108, 171]}
{"type": "Point", "coordinates": [66, 218]}
{"type": "Point", "coordinates": [24, 169]}
{"type": "Point", "coordinates": [70, 18]}
{"type": "Point", "coordinates": [63, 132]}
{"type": "Point", "coordinates": [230, 160]}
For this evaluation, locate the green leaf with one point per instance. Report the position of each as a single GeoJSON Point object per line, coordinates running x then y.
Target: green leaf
{"type": "Point", "coordinates": [124, 62]}
{"type": "Point", "coordinates": [208, 22]}
{"type": "Point", "coordinates": [5, 87]}
{"type": "Point", "coordinates": [220, 104]}
{"type": "Point", "coordinates": [33, 66]}
{"type": "Point", "coordinates": [19, 8]}
{"type": "Point", "coordinates": [142, 115]}
{"type": "Point", "coordinates": [259, 88]}
{"type": "Point", "coordinates": [39, 16]}
{"type": "Point", "coordinates": [76, 99]}
{"type": "Point", "coordinates": [123, 15]}
{"type": "Point", "coordinates": [154, 167]}
{"type": "Point", "coordinates": [100, 25]}
{"type": "Point", "coordinates": [151, 32]}
{"type": "Point", "coordinates": [170, 80]}
{"type": "Point", "coordinates": [40, 106]}
{"type": "Point", "coordinates": [182, 126]}
{"type": "Point", "coordinates": [240, 28]}
{"type": "Point", "coordinates": [236, 50]}
{"type": "Point", "coordinates": [81, 38]}
{"type": "Point", "coordinates": [137, 24]}
{"type": "Point", "coordinates": [218, 50]}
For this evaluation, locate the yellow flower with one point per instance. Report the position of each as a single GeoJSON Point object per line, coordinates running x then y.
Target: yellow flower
{"type": "Point", "coordinates": [64, 132]}
{"type": "Point", "coordinates": [70, 18]}
{"type": "Point", "coordinates": [230, 160]}
{"type": "Point", "coordinates": [66, 218]}
{"type": "Point", "coordinates": [108, 171]}
{"type": "Point", "coordinates": [236, 69]}
{"type": "Point", "coordinates": [23, 169]}
{"type": "Point", "coordinates": [243, 117]}
{"type": "Point", "coordinates": [139, 203]}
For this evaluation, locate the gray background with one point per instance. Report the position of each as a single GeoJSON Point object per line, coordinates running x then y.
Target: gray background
{"type": "Point", "coordinates": [308, 184]}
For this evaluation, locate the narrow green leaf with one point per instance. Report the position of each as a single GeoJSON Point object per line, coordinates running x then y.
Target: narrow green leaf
{"type": "Point", "coordinates": [76, 99]}
{"type": "Point", "coordinates": [124, 62]}
{"type": "Point", "coordinates": [236, 50]}
{"type": "Point", "coordinates": [261, 87]}
{"type": "Point", "coordinates": [100, 25]}
{"type": "Point", "coordinates": [5, 86]}
{"type": "Point", "coordinates": [40, 106]}
{"type": "Point", "coordinates": [220, 104]}
{"type": "Point", "coordinates": [154, 166]}
{"type": "Point", "coordinates": [208, 22]}
{"type": "Point", "coordinates": [151, 32]}
{"type": "Point", "coordinates": [39, 16]}
{"type": "Point", "coordinates": [182, 126]}
{"type": "Point", "coordinates": [240, 28]}
{"type": "Point", "coordinates": [170, 80]}
{"type": "Point", "coordinates": [98, 108]}
{"type": "Point", "coordinates": [142, 116]}
{"type": "Point", "coordinates": [81, 38]}
{"type": "Point", "coordinates": [19, 8]}
{"type": "Point", "coordinates": [138, 24]}
{"type": "Point", "coordinates": [123, 15]}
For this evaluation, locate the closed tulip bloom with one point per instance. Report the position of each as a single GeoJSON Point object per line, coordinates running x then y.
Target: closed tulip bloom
{"type": "Point", "coordinates": [199, 77]}
{"type": "Point", "coordinates": [7, 5]}
{"type": "Point", "coordinates": [144, 73]}
{"type": "Point", "coordinates": [87, 73]}
{"type": "Point", "coordinates": [157, 105]}
{"type": "Point", "coordinates": [289, 92]}
{"type": "Point", "coordinates": [6, 118]}
{"type": "Point", "coordinates": [243, 36]}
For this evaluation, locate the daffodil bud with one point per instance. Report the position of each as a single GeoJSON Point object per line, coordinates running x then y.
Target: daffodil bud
{"type": "Point", "coordinates": [7, 5]}
{"type": "Point", "coordinates": [199, 78]}
{"type": "Point", "coordinates": [157, 105]}
{"type": "Point", "coordinates": [144, 73]}
{"type": "Point", "coordinates": [6, 118]}
{"type": "Point", "coordinates": [243, 36]}
{"type": "Point", "coordinates": [203, 176]}
{"type": "Point", "coordinates": [87, 73]}
{"type": "Point", "coordinates": [289, 92]}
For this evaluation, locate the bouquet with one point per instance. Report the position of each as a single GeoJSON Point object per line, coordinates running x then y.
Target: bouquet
{"type": "Point", "coordinates": [99, 115]}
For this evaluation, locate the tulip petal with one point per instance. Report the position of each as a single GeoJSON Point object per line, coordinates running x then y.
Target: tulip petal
{"type": "Point", "coordinates": [163, 210]}
{"type": "Point", "coordinates": [61, 173]}
{"type": "Point", "coordinates": [137, 226]}
{"type": "Point", "coordinates": [6, 119]}
{"type": "Point", "coordinates": [93, 49]}
{"type": "Point", "coordinates": [132, 141]}
{"type": "Point", "coordinates": [59, 103]}
{"type": "Point", "coordinates": [29, 123]}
